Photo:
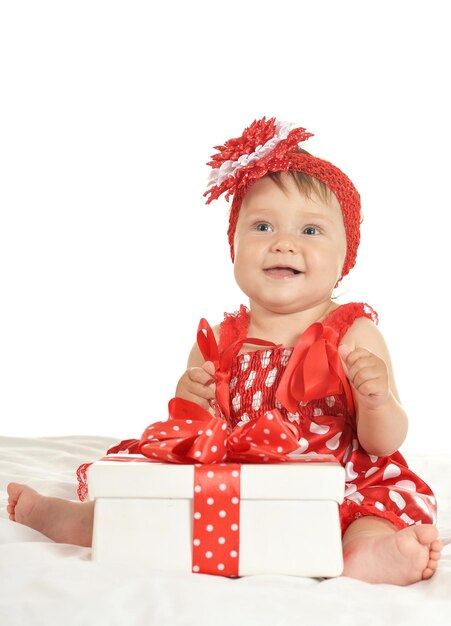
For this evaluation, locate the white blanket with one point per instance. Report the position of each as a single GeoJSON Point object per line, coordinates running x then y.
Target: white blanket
{"type": "Point", "coordinates": [46, 583]}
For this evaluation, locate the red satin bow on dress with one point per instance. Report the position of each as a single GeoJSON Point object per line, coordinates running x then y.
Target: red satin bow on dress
{"type": "Point", "coordinates": [314, 370]}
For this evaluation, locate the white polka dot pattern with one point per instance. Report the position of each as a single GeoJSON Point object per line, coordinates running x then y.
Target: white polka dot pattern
{"type": "Point", "coordinates": [397, 498]}
{"type": "Point", "coordinates": [350, 473]}
{"type": "Point", "coordinates": [245, 418]}
{"type": "Point", "coordinates": [245, 362]}
{"type": "Point", "coordinates": [391, 471]}
{"type": "Point", "coordinates": [269, 381]}
{"type": "Point", "coordinates": [334, 442]}
{"type": "Point", "coordinates": [285, 357]}
{"type": "Point", "coordinates": [319, 429]}
{"type": "Point", "coordinates": [256, 400]}
{"type": "Point", "coordinates": [250, 380]}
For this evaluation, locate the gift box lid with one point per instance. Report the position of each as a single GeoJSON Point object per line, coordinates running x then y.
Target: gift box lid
{"type": "Point", "coordinates": [318, 477]}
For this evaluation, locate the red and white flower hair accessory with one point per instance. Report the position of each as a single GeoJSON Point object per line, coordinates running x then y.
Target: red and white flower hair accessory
{"type": "Point", "coordinates": [273, 146]}
{"type": "Point", "coordinates": [230, 168]}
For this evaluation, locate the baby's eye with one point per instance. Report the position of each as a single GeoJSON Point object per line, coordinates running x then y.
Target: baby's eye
{"type": "Point", "coordinates": [311, 230]}
{"type": "Point", "coordinates": [263, 227]}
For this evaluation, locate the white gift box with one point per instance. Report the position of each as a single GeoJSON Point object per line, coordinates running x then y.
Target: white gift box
{"type": "Point", "coordinates": [289, 516]}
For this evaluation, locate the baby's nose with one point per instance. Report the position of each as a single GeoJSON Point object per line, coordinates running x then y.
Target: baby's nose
{"type": "Point", "coordinates": [286, 243]}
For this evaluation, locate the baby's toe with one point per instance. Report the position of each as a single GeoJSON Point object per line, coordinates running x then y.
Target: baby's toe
{"type": "Point", "coordinates": [428, 573]}
{"type": "Point", "coordinates": [436, 546]}
{"type": "Point", "coordinates": [434, 556]}
{"type": "Point", "coordinates": [432, 564]}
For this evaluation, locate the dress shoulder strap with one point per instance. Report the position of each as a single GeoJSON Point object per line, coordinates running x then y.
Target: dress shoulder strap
{"type": "Point", "coordinates": [342, 318]}
{"type": "Point", "coordinates": [233, 327]}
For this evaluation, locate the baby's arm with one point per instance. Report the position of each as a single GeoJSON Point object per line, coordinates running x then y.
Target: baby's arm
{"type": "Point", "coordinates": [381, 420]}
{"type": "Point", "coordinates": [198, 382]}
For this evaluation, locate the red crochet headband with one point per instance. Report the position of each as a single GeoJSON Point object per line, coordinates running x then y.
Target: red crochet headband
{"type": "Point", "coordinates": [270, 146]}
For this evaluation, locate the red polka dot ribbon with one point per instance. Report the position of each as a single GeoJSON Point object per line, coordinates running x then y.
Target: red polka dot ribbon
{"type": "Point", "coordinates": [216, 519]}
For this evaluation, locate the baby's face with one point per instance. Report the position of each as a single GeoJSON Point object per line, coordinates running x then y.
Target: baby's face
{"type": "Point", "coordinates": [289, 248]}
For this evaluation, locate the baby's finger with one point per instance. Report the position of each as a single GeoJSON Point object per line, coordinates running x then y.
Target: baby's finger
{"type": "Point", "coordinates": [199, 375]}
{"type": "Point", "coordinates": [355, 355]}
{"type": "Point", "coordinates": [372, 388]}
{"type": "Point", "coordinates": [344, 351]}
{"type": "Point", "coordinates": [369, 377]}
{"type": "Point", "coordinates": [209, 367]}
{"type": "Point", "coordinates": [206, 392]}
{"type": "Point", "coordinates": [205, 404]}
{"type": "Point", "coordinates": [363, 363]}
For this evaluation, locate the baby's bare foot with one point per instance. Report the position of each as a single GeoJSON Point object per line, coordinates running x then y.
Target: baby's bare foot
{"type": "Point", "coordinates": [398, 558]}
{"type": "Point", "coordinates": [63, 521]}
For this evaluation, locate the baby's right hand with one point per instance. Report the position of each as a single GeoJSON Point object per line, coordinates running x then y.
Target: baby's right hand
{"type": "Point", "coordinates": [198, 384]}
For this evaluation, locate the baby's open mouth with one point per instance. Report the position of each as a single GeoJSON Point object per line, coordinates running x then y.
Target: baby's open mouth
{"type": "Point", "coordinates": [282, 271]}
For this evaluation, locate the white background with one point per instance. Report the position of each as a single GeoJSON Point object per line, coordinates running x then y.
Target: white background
{"type": "Point", "coordinates": [108, 254]}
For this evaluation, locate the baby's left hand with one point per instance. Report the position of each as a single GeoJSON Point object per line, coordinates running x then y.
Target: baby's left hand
{"type": "Point", "coordinates": [368, 375]}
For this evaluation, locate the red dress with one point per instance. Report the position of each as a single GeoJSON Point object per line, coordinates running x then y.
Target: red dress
{"type": "Point", "coordinates": [380, 486]}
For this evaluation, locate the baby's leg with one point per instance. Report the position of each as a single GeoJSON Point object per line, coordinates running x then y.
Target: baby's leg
{"type": "Point", "coordinates": [376, 552]}
{"type": "Point", "coordinates": [63, 521]}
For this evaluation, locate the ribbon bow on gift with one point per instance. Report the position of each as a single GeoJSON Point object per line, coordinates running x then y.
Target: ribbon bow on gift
{"type": "Point", "coordinates": [192, 435]}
